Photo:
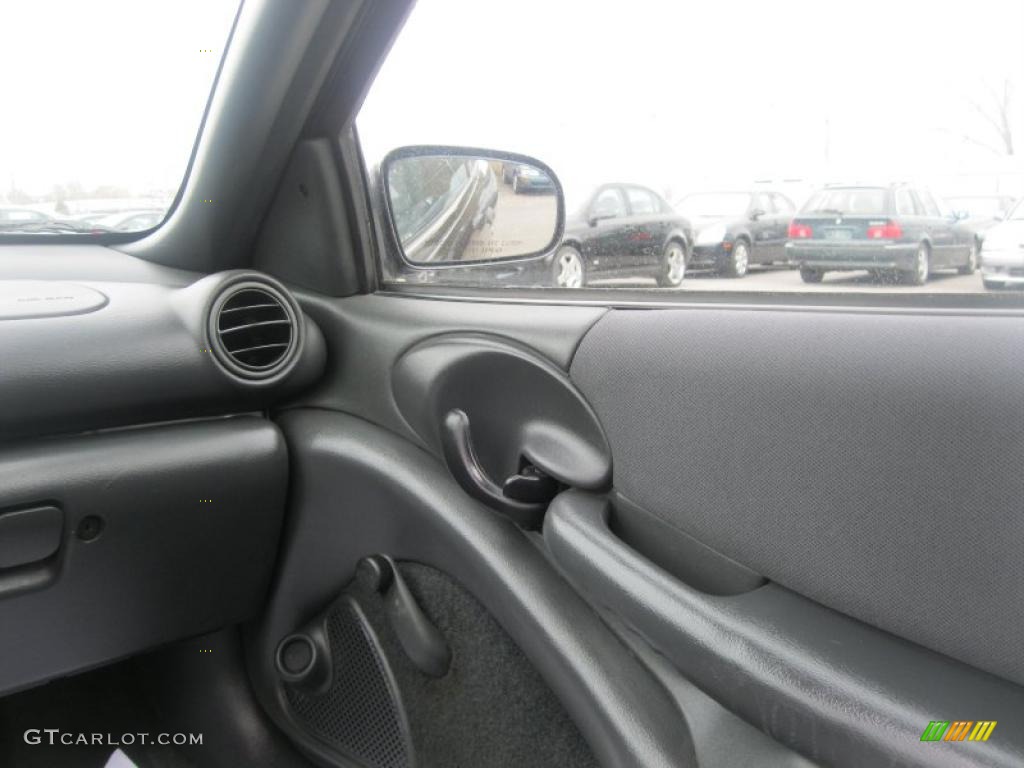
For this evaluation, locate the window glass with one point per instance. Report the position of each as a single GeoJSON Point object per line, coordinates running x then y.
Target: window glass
{"type": "Point", "coordinates": [827, 146]}
{"type": "Point", "coordinates": [640, 201]}
{"type": "Point", "coordinates": [608, 204]}
{"type": "Point", "coordinates": [100, 122]}
{"type": "Point", "coordinates": [980, 207]}
{"type": "Point", "coordinates": [783, 204]}
{"type": "Point", "coordinates": [763, 202]}
{"type": "Point", "coordinates": [905, 202]}
{"type": "Point", "coordinates": [930, 206]}
{"type": "Point", "coordinates": [714, 205]}
{"type": "Point", "coordinates": [849, 200]}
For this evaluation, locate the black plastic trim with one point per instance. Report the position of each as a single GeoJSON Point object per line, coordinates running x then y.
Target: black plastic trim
{"type": "Point", "coordinates": [830, 687]}
{"type": "Point", "coordinates": [358, 490]}
{"type": "Point", "coordinates": [190, 517]}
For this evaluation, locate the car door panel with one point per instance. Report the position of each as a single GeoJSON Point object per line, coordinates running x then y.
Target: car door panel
{"type": "Point", "coordinates": [360, 490]}
{"type": "Point", "coordinates": [813, 610]}
{"type": "Point", "coordinates": [817, 680]}
{"type": "Point", "coordinates": [750, 441]}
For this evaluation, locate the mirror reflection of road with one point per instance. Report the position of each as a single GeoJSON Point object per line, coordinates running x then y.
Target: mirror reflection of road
{"type": "Point", "coordinates": [522, 224]}
{"type": "Point", "coordinates": [788, 280]}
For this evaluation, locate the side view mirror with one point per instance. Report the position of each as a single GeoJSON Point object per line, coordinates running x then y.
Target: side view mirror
{"type": "Point", "coordinates": [448, 205]}
{"type": "Point", "coordinates": [756, 214]}
{"type": "Point", "coordinates": [960, 215]}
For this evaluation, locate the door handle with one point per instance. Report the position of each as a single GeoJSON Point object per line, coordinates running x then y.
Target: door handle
{"type": "Point", "coordinates": [523, 497]}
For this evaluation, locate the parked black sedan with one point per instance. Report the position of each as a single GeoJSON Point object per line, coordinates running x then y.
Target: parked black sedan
{"type": "Point", "coordinates": [623, 231]}
{"type": "Point", "coordinates": [737, 229]}
{"type": "Point", "coordinates": [896, 230]}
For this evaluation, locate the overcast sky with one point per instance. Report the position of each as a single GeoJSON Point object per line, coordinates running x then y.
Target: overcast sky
{"type": "Point", "coordinates": [706, 92]}
{"type": "Point", "coordinates": [677, 94]}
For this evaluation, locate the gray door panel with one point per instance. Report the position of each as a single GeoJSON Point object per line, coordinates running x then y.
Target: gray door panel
{"type": "Point", "coordinates": [870, 462]}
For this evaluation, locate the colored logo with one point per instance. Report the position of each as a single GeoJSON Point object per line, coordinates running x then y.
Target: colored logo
{"type": "Point", "coordinates": [958, 730]}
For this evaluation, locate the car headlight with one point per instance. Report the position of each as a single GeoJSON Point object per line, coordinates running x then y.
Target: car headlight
{"type": "Point", "coordinates": [711, 235]}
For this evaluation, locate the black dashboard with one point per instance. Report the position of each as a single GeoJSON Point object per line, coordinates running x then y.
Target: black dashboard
{"type": "Point", "coordinates": [142, 488]}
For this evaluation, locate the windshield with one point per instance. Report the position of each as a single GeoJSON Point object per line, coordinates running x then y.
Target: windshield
{"type": "Point", "coordinates": [714, 205]}
{"type": "Point", "coordinates": [859, 200]}
{"type": "Point", "coordinates": [980, 207]}
{"type": "Point", "coordinates": [109, 95]}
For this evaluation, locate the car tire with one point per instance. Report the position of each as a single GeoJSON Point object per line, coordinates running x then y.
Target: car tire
{"type": "Point", "coordinates": [673, 265]}
{"type": "Point", "coordinates": [918, 274]}
{"type": "Point", "coordinates": [568, 269]}
{"type": "Point", "coordinates": [738, 262]}
{"type": "Point", "coordinates": [811, 275]}
{"type": "Point", "coordinates": [515, 184]}
{"type": "Point", "coordinates": [972, 260]}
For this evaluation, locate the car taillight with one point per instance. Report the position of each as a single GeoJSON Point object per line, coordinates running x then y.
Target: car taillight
{"type": "Point", "coordinates": [799, 231]}
{"type": "Point", "coordinates": [891, 230]}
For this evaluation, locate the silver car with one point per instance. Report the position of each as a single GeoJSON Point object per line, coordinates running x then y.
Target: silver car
{"type": "Point", "coordinates": [1002, 254]}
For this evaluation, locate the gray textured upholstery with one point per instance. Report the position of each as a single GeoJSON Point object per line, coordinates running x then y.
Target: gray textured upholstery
{"type": "Point", "coordinates": [872, 462]}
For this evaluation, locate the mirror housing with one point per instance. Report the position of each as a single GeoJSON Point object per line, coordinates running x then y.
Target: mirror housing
{"type": "Point", "coordinates": [960, 215]}
{"type": "Point", "coordinates": [757, 213]}
{"type": "Point", "coordinates": [460, 206]}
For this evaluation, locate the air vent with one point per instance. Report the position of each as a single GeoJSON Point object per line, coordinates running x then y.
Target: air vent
{"type": "Point", "coordinates": [254, 329]}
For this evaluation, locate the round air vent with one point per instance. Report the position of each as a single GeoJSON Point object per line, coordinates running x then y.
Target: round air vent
{"type": "Point", "coordinates": [254, 330]}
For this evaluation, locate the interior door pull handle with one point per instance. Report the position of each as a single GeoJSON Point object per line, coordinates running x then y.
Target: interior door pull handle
{"type": "Point", "coordinates": [462, 462]}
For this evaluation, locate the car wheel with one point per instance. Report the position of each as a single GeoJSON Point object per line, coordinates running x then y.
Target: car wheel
{"type": "Point", "coordinates": [739, 259]}
{"type": "Point", "coordinates": [918, 273]}
{"type": "Point", "coordinates": [811, 275]}
{"type": "Point", "coordinates": [568, 268]}
{"type": "Point", "coordinates": [972, 260]}
{"type": "Point", "coordinates": [673, 265]}
{"type": "Point", "coordinates": [515, 184]}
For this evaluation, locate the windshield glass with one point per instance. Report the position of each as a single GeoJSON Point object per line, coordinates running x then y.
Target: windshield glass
{"type": "Point", "coordinates": [980, 207]}
{"type": "Point", "coordinates": [714, 205]}
{"type": "Point", "coordinates": [850, 200]}
{"type": "Point", "coordinates": [109, 95]}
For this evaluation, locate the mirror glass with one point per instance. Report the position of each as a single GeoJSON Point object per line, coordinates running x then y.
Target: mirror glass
{"type": "Point", "coordinates": [459, 208]}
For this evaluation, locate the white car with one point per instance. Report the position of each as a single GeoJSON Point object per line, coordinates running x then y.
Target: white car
{"type": "Point", "coordinates": [1002, 254]}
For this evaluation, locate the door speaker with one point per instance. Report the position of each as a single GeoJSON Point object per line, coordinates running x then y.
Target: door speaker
{"type": "Point", "coordinates": [357, 714]}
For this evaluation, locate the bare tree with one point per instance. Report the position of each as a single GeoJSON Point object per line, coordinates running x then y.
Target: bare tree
{"type": "Point", "coordinates": [995, 112]}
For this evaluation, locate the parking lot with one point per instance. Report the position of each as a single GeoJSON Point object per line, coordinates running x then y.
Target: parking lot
{"type": "Point", "coordinates": [779, 279]}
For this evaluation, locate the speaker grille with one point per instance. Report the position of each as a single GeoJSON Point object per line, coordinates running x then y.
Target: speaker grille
{"type": "Point", "coordinates": [358, 716]}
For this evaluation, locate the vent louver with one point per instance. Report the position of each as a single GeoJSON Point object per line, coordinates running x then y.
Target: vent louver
{"type": "Point", "coordinates": [255, 331]}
